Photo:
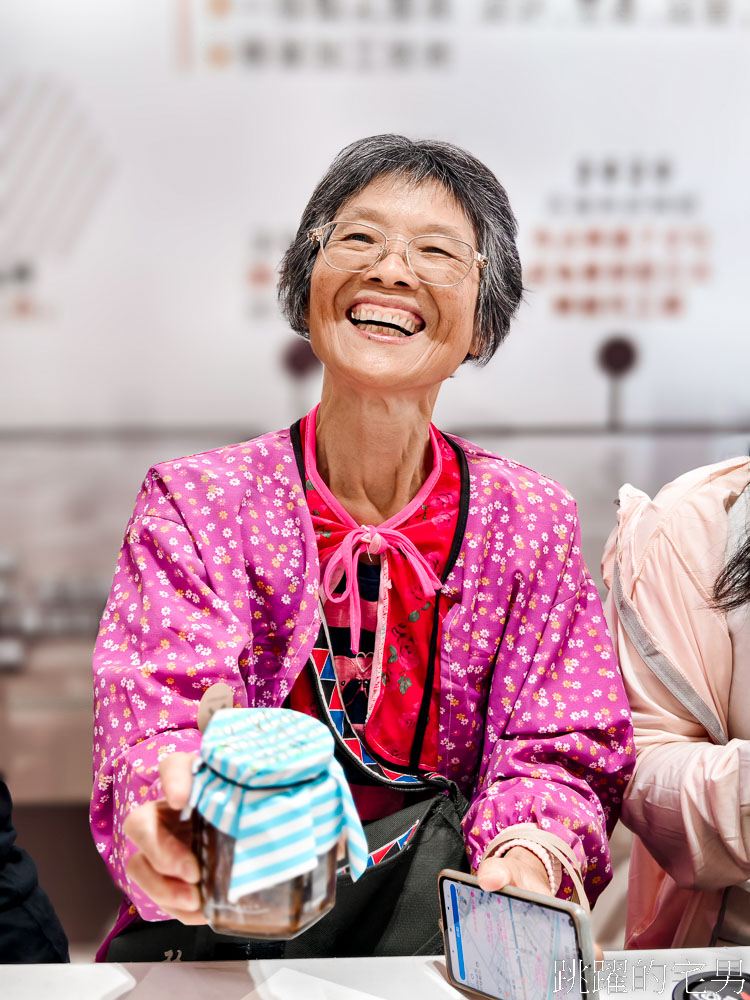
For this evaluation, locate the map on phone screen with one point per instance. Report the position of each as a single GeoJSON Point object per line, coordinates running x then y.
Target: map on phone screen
{"type": "Point", "coordinates": [510, 948]}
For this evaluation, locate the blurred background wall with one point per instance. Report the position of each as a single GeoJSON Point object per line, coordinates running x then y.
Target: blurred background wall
{"type": "Point", "coordinates": [155, 156]}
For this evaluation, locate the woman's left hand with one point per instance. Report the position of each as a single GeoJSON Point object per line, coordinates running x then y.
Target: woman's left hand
{"type": "Point", "coordinates": [518, 867]}
{"type": "Point", "coordinates": [524, 870]}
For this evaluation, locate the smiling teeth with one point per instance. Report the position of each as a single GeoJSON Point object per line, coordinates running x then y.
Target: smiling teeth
{"type": "Point", "coordinates": [377, 316]}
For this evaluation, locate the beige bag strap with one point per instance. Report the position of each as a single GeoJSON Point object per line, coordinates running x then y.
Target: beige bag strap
{"type": "Point", "coordinates": [555, 845]}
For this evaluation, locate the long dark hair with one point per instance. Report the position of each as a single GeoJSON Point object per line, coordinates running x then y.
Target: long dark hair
{"type": "Point", "coordinates": [732, 587]}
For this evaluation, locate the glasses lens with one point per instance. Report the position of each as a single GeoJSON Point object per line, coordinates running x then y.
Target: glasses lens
{"type": "Point", "coordinates": [351, 246]}
{"type": "Point", "coordinates": [440, 260]}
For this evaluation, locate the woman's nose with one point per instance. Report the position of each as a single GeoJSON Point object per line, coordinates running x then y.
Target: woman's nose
{"type": "Point", "coordinates": [392, 266]}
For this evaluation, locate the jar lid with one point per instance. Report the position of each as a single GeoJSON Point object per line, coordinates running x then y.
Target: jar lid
{"type": "Point", "coordinates": [268, 778]}
{"type": "Point", "coordinates": [266, 747]}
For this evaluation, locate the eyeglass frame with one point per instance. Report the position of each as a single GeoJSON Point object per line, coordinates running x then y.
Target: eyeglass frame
{"type": "Point", "coordinates": [480, 259]}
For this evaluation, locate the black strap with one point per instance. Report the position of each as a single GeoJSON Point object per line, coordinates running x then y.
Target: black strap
{"type": "Point", "coordinates": [463, 507]}
{"type": "Point", "coordinates": [296, 435]}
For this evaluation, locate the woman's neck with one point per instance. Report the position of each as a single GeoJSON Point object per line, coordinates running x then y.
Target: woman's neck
{"type": "Point", "coordinates": [373, 453]}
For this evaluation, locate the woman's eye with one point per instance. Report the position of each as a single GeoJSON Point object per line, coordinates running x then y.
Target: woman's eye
{"type": "Point", "coordinates": [436, 251]}
{"type": "Point", "coordinates": [357, 238]}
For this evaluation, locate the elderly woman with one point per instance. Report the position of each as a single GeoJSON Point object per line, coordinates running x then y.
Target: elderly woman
{"type": "Point", "coordinates": [466, 634]}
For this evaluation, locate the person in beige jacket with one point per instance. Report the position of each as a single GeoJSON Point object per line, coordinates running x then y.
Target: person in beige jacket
{"type": "Point", "coordinates": [678, 570]}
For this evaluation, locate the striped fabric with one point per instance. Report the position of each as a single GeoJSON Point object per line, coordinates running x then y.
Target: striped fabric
{"type": "Point", "coordinates": [268, 778]}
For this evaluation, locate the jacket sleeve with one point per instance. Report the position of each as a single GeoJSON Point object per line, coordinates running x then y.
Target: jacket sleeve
{"type": "Point", "coordinates": [564, 757]}
{"type": "Point", "coordinates": [165, 637]}
{"type": "Point", "coordinates": [689, 800]}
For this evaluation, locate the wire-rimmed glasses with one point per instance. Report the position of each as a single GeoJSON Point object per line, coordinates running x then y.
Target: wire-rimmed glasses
{"type": "Point", "coordinates": [433, 258]}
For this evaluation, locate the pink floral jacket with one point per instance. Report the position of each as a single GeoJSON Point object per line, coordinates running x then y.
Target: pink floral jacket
{"type": "Point", "coordinates": [218, 579]}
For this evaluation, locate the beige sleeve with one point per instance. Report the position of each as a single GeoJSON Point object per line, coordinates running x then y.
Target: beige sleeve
{"type": "Point", "coordinates": [689, 800]}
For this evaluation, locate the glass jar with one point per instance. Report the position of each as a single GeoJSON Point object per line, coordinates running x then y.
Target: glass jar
{"type": "Point", "coordinates": [269, 805]}
{"type": "Point", "coordinates": [279, 912]}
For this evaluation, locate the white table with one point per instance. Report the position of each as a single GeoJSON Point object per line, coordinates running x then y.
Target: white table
{"type": "Point", "coordinates": [382, 978]}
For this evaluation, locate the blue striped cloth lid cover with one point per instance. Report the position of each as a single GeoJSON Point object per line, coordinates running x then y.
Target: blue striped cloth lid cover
{"type": "Point", "coordinates": [268, 778]}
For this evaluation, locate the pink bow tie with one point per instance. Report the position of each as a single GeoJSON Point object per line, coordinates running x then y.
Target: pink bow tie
{"type": "Point", "coordinates": [372, 540]}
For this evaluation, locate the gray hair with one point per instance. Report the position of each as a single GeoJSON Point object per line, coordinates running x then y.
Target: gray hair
{"type": "Point", "coordinates": [473, 186]}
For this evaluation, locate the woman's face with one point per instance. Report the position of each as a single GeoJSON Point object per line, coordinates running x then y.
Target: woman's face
{"type": "Point", "coordinates": [380, 358]}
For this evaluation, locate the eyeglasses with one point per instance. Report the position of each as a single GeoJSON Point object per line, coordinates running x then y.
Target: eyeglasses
{"type": "Point", "coordinates": [434, 259]}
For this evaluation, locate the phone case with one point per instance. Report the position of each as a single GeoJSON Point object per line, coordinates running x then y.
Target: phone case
{"type": "Point", "coordinates": [581, 920]}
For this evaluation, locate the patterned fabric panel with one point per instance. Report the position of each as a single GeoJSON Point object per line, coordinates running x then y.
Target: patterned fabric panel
{"type": "Point", "coordinates": [323, 663]}
{"type": "Point", "coordinates": [388, 850]}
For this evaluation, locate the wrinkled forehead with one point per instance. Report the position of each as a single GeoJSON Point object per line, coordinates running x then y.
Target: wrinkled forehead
{"type": "Point", "coordinates": [409, 206]}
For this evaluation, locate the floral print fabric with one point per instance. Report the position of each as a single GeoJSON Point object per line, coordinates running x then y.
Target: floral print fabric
{"type": "Point", "coordinates": [218, 579]}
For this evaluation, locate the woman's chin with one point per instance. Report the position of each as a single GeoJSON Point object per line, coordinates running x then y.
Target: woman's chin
{"type": "Point", "coordinates": [375, 372]}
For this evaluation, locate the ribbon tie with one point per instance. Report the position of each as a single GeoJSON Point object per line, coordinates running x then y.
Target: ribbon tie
{"type": "Point", "coordinates": [367, 538]}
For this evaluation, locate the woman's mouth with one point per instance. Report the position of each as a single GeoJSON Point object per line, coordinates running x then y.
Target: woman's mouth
{"type": "Point", "coordinates": [385, 321]}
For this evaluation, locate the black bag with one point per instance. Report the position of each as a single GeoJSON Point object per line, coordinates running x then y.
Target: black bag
{"type": "Point", "coordinates": [393, 908]}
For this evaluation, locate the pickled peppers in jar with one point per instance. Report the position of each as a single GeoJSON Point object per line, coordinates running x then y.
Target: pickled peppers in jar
{"type": "Point", "coordinates": [269, 804]}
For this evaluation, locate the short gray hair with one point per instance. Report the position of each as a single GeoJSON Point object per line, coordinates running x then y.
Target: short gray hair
{"type": "Point", "coordinates": [473, 186]}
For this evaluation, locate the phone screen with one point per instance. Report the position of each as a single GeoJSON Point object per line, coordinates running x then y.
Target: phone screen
{"type": "Point", "coordinates": [510, 948]}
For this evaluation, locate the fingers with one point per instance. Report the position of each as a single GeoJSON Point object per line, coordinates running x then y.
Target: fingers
{"type": "Point", "coordinates": [341, 848]}
{"type": "Point", "coordinates": [598, 953]}
{"type": "Point", "coordinates": [164, 867]}
{"type": "Point", "coordinates": [175, 771]}
{"type": "Point", "coordinates": [176, 897]}
{"type": "Point", "coordinates": [519, 868]}
{"type": "Point", "coordinates": [493, 874]}
{"type": "Point", "coordinates": [151, 828]}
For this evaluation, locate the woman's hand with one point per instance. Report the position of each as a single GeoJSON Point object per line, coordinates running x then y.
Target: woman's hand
{"type": "Point", "coordinates": [519, 868]}
{"type": "Point", "coordinates": [164, 867]}
{"type": "Point", "coordinates": [523, 870]}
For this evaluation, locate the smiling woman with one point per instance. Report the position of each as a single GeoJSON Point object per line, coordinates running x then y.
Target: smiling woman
{"type": "Point", "coordinates": [433, 325]}
{"type": "Point", "coordinates": [468, 205]}
{"type": "Point", "coordinates": [423, 598]}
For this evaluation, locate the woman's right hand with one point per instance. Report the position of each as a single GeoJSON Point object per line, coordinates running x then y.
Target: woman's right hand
{"type": "Point", "coordinates": [164, 867]}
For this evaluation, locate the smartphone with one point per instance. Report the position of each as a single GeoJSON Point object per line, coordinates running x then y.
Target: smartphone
{"type": "Point", "coordinates": [513, 944]}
